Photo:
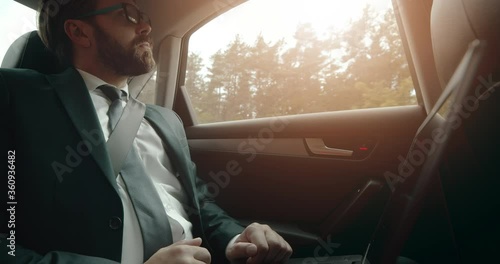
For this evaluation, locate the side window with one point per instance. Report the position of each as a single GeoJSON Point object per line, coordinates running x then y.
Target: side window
{"type": "Point", "coordinates": [148, 92]}
{"type": "Point", "coordinates": [16, 19]}
{"type": "Point", "coordinates": [269, 58]}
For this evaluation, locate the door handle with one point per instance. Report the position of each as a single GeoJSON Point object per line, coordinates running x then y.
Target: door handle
{"type": "Point", "coordinates": [317, 146]}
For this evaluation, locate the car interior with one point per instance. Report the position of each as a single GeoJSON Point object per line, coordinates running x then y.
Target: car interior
{"type": "Point", "coordinates": [397, 184]}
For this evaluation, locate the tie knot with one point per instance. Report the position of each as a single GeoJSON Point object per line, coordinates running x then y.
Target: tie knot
{"type": "Point", "coordinates": [111, 93]}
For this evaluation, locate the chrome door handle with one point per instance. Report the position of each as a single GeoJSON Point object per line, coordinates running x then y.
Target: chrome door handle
{"type": "Point", "coordinates": [317, 146]}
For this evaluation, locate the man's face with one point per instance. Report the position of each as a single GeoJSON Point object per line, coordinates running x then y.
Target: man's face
{"type": "Point", "coordinates": [122, 46]}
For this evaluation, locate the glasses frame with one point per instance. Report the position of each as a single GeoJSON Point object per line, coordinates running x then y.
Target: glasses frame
{"type": "Point", "coordinates": [112, 8]}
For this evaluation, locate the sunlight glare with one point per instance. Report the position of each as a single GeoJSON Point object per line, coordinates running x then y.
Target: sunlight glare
{"type": "Point", "coordinates": [277, 19]}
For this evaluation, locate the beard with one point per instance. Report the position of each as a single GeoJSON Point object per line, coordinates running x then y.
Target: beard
{"type": "Point", "coordinates": [122, 60]}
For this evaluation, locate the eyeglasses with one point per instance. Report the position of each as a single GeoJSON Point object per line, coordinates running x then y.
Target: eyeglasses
{"type": "Point", "coordinates": [132, 13]}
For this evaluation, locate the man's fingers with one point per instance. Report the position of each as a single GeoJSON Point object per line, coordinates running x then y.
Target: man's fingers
{"type": "Point", "coordinates": [241, 250]}
{"type": "Point", "coordinates": [193, 248]}
{"type": "Point", "coordinates": [284, 254]}
{"type": "Point", "coordinates": [274, 242]}
{"type": "Point", "coordinates": [200, 262]}
{"type": "Point", "coordinates": [271, 247]}
{"type": "Point", "coordinates": [257, 235]}
{"type": "Point", "coordinates": [202, 255]}
{"type": "Point", "coordinates": [190, 242]}
{"type": "Point", "coordinates": [183, 251]}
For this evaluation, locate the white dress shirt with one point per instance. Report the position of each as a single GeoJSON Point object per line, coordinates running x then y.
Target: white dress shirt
{"type": "Point", "coordinates": [151, 150]}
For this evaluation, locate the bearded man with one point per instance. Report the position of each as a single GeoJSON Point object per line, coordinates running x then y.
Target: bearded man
{"type": "Point", "coordinates": [74, 207]}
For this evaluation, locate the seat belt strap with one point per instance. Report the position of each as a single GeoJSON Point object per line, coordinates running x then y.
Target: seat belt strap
{"type": "Point", "coordinates": [121, 138]}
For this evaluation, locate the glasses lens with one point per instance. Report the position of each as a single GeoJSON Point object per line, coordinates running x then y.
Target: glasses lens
{"type": "Point", "coordinates": [135, 16]}
{"type": "Point", "coordinates": [132, 13]}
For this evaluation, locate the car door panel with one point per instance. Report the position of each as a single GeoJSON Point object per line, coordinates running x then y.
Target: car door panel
{"type": "Point", "coordinates": [264, 170]}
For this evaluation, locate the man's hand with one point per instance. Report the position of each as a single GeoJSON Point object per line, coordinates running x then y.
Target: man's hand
{"type": "Point", "coordinates": [182, 252]}
{"type": "Point", "coordinates": [259, 244]}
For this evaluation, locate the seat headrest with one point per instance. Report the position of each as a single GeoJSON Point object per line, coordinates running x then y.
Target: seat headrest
{"type": "Point", "coordinates": [455, 24]}
{"type": "Point", "coordinates": [29, 52]}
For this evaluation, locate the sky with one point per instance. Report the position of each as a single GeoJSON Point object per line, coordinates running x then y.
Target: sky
{"type": "Point", "coordinates": [276, 19]}
{"type": "Point", "coordinates": [273, 18]}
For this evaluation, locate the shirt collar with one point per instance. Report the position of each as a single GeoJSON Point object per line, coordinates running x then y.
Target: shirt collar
{"type": "Point", "coordinates": [92, 82]}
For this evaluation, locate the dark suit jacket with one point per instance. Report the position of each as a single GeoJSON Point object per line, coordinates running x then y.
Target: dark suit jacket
{"type": "Point", "coordinates": [68, 209]}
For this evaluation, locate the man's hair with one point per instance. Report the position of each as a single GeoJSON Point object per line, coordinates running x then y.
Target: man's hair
{"type": "Point", "coordinates": [51, 17]}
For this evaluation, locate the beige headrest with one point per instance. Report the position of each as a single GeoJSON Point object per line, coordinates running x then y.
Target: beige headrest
{"type": "Point", "coordinates": [455, 23]}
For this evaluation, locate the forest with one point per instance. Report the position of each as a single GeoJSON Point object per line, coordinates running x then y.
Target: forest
{"type": "Point", "coordinates": [361, 66]}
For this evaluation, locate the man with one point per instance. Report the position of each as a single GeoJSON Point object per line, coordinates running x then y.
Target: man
{"type": "Point", "coordinates": [72, 207]}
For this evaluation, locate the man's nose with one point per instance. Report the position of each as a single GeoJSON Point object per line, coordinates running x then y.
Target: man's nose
{"type": "Point", "coordinates": [143, 28]}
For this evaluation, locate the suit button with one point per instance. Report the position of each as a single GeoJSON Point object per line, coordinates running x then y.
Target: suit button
{"type": "Point", "coordinates": [83, 149]}
{"type": "Point", "coordinates": [115, 222]}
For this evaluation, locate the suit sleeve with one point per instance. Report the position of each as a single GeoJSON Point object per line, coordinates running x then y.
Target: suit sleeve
{"type": "Point", "coordinates": [26, 256]}
{"type": "Point", "coordinates": [219, 228]}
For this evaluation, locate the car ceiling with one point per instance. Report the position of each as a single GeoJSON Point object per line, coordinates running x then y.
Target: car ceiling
{"type": "Point", "coordinates": [178, 16]}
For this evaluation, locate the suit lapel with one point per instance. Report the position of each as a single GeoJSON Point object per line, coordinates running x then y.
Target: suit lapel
{"type": "Point", "coordinates": [75, 97]}
{"type": "Point", "coordinates": [76, 100]}
{"type": "Point", "coordinates": [176, 147]}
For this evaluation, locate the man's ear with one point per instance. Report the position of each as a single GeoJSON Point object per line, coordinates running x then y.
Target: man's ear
{"type": "Point", "coordinates": [78, 32]}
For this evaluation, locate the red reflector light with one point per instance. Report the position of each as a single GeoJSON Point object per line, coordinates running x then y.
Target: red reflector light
{"type": "Point", "coordinates": [363, 148]}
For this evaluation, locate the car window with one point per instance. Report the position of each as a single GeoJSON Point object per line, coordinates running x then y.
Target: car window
{"type": "Point", "coordinates": [269, 58]}
{"type": "Point", "coordinates": [16, 20]}
{"type": "Point", "coordinates": [148, 92]}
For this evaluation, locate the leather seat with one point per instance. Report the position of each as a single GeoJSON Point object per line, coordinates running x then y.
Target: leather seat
{"type": "Point", "coordinates": [29, 52]}
{"type": "Point", "coordinates": [471, 175]}
{"type": "Point", "coordinates": [455, 24]}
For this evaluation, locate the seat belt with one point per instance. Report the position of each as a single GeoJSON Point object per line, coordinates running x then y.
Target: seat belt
{"type": "Point", "coordinates": [121, 138]}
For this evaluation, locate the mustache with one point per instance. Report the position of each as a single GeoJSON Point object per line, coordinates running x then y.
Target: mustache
{"type": "Point", "coordinates": [141, 40]}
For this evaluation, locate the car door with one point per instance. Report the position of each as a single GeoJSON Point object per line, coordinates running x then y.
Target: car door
{"type": "Point", "coordinates": [282, 136]}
